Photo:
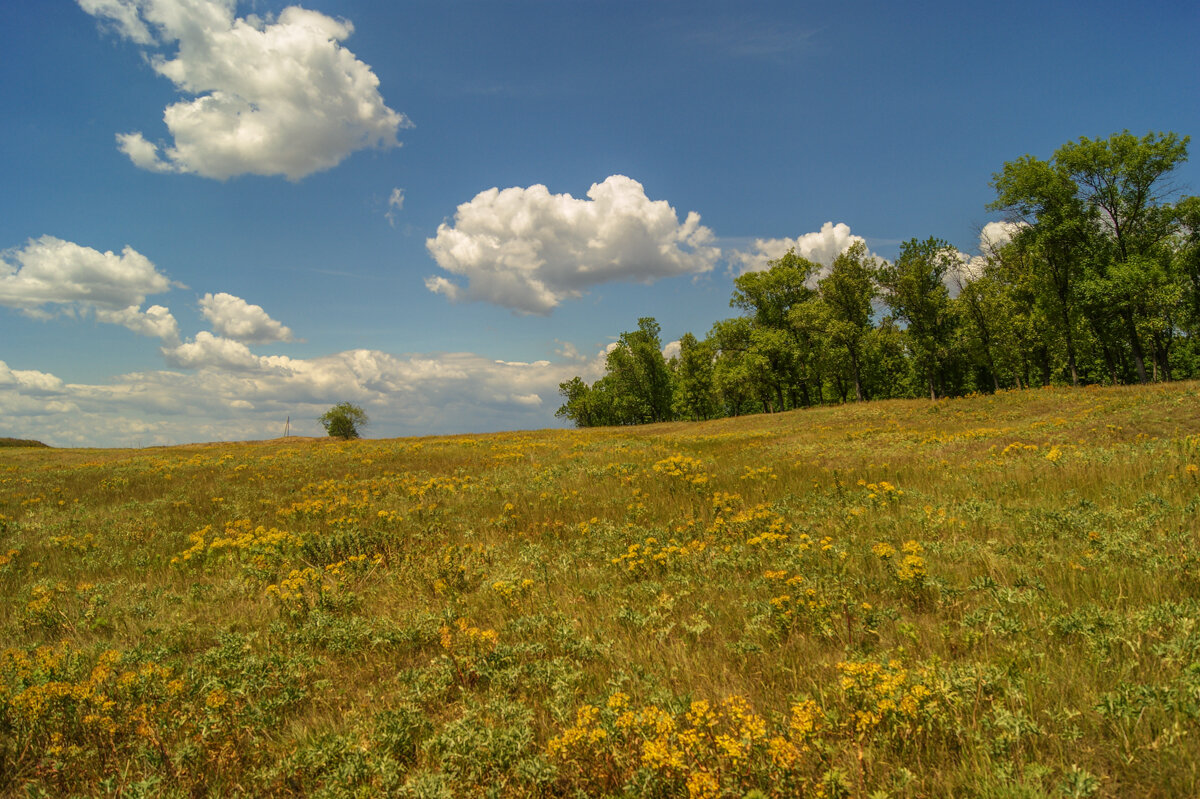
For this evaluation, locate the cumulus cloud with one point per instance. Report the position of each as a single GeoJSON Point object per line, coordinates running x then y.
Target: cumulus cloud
{"type": "Point", "coordinates": [528, 250]}
{"type": "Point", "coordinates": [156, 321]}
{"type": "Point", "coordinates": [207, 350]}
{"type": "Point", "coordinates": [29, 381]}
{"type": "Point", "coordinates": [820, 247]}
{"type": "Point", "coordinates": [992, 238]}
{"type": "Point", "coordinates": [267, 96]}
{"type": "Point", "coordinates": [997, 234]}
{"type": "Point", "coordinates": [51, 273]}
{"type": "Point", "coordinates": [234, 318]}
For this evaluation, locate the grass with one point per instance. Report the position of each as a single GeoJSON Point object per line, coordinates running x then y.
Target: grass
{"type": "Point", "coordinates": [995, 596]}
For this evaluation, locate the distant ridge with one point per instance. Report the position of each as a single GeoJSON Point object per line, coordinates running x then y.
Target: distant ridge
{"type": "Point", "coordinates": [21, 442]}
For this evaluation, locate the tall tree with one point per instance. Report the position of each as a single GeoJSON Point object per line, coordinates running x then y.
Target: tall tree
{"type": "Point", "coordinates": [639, 374]}
{"type": "Point", "coordinates": [769, 297]}
{"type": "Point", "coordinates": [1099, 219]}
{"type": "Point", "coordinates": [1122, 180]}
{"type": "Point", "coordinates": [1054, 234]}
{"type": "Point", "coordinates": [695, 395]}
{"type": "Point", "coordinates": [915, 291]}
{"type": "Point", "coordinates": [847, 292]}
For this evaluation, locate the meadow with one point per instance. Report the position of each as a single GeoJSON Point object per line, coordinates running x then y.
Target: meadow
{"type": "Point", "coordinates": [994, 596]}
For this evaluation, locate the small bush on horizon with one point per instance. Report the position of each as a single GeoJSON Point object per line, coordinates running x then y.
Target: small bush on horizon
{"type": "Point", "coordinates": [344, 420]}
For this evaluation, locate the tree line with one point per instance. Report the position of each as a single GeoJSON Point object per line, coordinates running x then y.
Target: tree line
{"type": "Point", "coordinates": [1099, 284]}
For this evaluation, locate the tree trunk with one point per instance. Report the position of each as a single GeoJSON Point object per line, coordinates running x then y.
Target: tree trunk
{"type": "Point", "coordinates": [858, 395]}
{"type": "Point", "coordinates": [1139, 358]}
{"type": "Point", "coordinates": [1067, 333]}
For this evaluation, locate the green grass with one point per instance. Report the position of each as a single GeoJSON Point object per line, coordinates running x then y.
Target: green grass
{"type": "Point", "coordinates": [995, 596]}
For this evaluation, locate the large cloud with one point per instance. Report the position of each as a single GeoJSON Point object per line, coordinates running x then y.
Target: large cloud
{"type": "Point", "coordinates": [234, 318]}
{"type": "Point", "coordinates": [528, 250]}
{"type": "Point", "coordinates": [269, 96]}
{"type": "Point", "coordinates": [820, 247]}
{"type": "Point", "coordinates": [50, 272]}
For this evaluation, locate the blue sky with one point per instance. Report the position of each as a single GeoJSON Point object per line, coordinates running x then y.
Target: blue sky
{"type": "Point", "coordinates": [216, 215]}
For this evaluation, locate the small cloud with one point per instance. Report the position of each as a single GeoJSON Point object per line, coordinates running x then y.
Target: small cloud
{"type": "Point", "coordinates": [820, 247]}
{"type": "Point", "coordinates": [156, 321]}
{"type": "Point", "coordinates": [569, 352]}
{"type": "Point", "coordinates": [395, 205]}
{"type": "Point", "coordinates": [236, 319]}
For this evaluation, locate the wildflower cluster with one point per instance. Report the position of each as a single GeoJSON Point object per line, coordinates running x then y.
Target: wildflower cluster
{"type": "Point", "coordinates": [758, 525]}
{"type": "Point", "coordinates": [689, 470]}
{"type": "Point", "coordinates": [70, 708]}
{"type": "Point", "coordinates": [243, 541]}
{"type": "Point", "coordinates": [890, 700]}
{"type": "Point", "coordinates": [513, 592]}
{"type": "Point", "coordinates": [881, 492]}
{"type": "Point", "coordinates": [909, 568]}
{"type": "Point", "coordinates": [653, 555]}
{"type": "Point", "coordinates": [466, 647]}
{"type": "Point", "coordinates": [713, 749]}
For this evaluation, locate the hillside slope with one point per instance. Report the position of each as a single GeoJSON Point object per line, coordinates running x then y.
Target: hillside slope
{"type": "Point", "coordinates": [992, 596]}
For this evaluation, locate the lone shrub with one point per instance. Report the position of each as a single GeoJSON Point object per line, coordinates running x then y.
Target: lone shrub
{"type": "Point", "coordinates": [344, 420]}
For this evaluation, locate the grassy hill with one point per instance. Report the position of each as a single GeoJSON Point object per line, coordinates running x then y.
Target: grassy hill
{"type": "Point", "coordinates": [20, 442]}
{"type": "Point", "coordinates": [995, 596]}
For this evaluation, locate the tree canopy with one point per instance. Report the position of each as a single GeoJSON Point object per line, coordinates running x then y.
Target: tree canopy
{"type": "Point", "coordinates": [1099, 282]}
{"type": "Point", "coordinates": [344, 420]}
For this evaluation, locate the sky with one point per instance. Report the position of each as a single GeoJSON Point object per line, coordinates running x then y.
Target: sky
{"type": "Point", "coordinates": [220, 216]}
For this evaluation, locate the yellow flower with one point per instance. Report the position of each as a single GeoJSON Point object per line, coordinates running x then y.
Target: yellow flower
{"type": "Point", "coordinates": [703, 785]}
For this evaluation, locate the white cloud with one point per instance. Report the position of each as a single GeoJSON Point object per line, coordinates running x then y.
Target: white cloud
{"type": "Point", "coordinates": [225, 392]}
{"type": "Point", "coordinates": [997, 234]}
{"type": "Point", "coordinates": [395, 205]}
{"type": "Point", "coordinates": [124, 17]}
{"type": "Point", "coordinates": [50, 271]}
{"type": "Point", "coordinates": [528, 250]}
{"type": "Point", "coordinates": [671, 350]}
{"type": "Point", "coordinates": [156, 321]}
{"type": "Point", "coordinates": [71, 278]}
{"type": "Point", "coordinates": [209, 351]}
{"type": "Point", "coordinates": [234, 318]}
{"type": "Point", "coordinates": [992, 239]}
{"type": "Point", "coordinates": [29, 382]}
{"type": "Point", "coordinates": [820, 247]}
{"type": "Point", "coordinates": [267, 96]}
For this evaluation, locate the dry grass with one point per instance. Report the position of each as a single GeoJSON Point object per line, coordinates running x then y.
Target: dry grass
{"type": "Point", "coordinates": [993, 596]}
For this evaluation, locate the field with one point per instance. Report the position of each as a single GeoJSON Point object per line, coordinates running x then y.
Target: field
{"type": "Point", "coordinates": [995, 596]}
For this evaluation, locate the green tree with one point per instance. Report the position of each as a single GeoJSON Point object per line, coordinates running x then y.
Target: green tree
{"type": "Point", "coordinates": [847, 292]}
{"type": "Point", "coordinates": [580, 405]}
{"type": "Point", "coordinates": [914, 290]}
{"type": "Point", "coordinates": [770, 297]}
{"type": "Point", "coordinates": [344, 420]}
{"type": "Point", "coordinates": [641, 381]}
{"type": "Point", "coordinates": [1101, 228]}
{"type": "Point", "coordinates": [695, 396]}
{"type": "Point", "coordinates": [1053, 236]}
{"type": "Point", "coordinates": [1121, 180]}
